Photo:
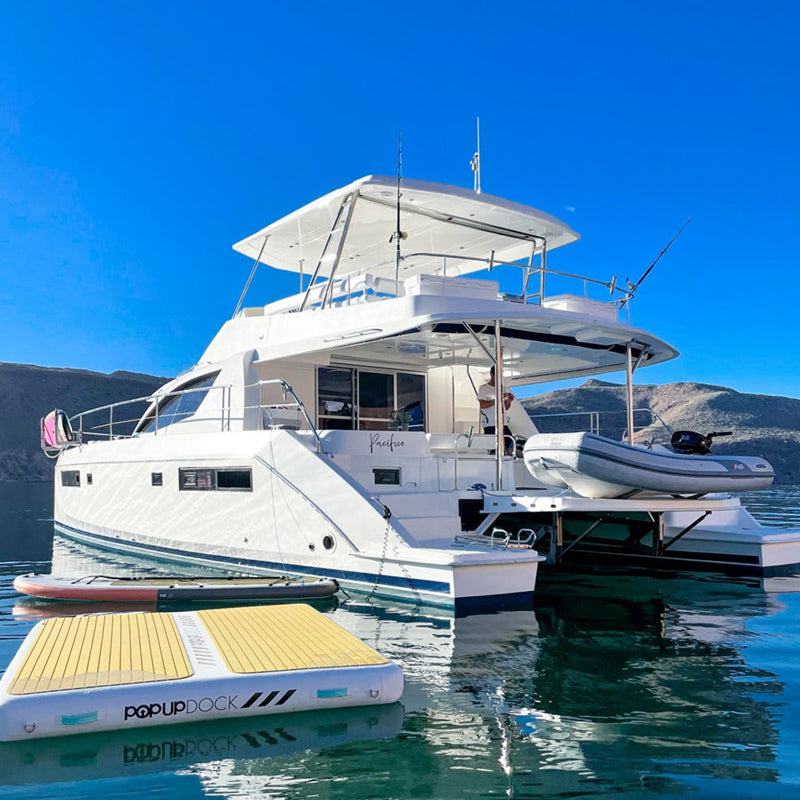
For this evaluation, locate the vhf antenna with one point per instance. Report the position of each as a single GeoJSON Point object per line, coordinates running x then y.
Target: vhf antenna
{"type": "Point", "coordinates": [476, 161]}
{"type": "Point", "coordinates": [398, 234]}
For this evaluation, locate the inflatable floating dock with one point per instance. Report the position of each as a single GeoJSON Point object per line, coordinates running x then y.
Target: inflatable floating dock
{"type": "Point", "coordinates": [102, 588]}
{"type": "Point", "coordinates": [121, 671]}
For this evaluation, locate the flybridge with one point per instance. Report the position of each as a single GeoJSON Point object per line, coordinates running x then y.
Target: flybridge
{"type": "Point", "coordinates": [347, 241]}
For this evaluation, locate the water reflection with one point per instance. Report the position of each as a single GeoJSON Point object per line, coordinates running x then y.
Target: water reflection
{"type": "Point", "coordinates": [250, 743]}
{"type": "Point", "coordinates": [630, 683]}
{"type": "Point", "coordinates": [26, 521]}
{"type": "Point", "coordinates": [651, 678]}
{"type": "Point", "coordinates": [620, 684]}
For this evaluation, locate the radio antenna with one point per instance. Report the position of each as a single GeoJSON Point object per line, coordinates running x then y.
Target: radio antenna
{"type": "Point", "coordinates": [398, 234]}
{"type": "Point", "coordinates": [476, 160]}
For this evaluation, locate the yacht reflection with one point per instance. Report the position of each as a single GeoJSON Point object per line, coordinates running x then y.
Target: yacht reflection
{"type": "Point", "coordinates": [617, 681]}
{"type": "Point", "coordinates": [610, 680]}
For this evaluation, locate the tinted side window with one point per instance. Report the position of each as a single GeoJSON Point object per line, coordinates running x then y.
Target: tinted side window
{"type": "Point", "coordinates": [179, 405]}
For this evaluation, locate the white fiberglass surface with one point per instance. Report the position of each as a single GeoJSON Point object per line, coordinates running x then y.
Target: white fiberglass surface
{"type": "Point", "coordinates": [435, 219]}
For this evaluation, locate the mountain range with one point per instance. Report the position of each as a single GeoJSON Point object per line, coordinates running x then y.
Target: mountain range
{"type": "Point", "coordinates": [760, 425]}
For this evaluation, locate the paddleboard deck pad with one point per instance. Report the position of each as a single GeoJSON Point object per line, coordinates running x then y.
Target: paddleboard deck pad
{"type": "Point", "coordinates": [120, 671]}
{"type": "Point", "coordinates": [174, 589]}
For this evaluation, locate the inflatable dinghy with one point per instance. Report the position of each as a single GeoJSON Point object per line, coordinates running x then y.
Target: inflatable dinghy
{"type": "Point", "coordinates": [155, 589]}
{"type": "Point", "coordinates": [121, 671]}
{"type": "Point", "coordinates": [594, 466]}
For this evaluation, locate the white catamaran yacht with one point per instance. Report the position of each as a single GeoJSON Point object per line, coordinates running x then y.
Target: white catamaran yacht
{"type": "Point", "coordinates": [336, 432]}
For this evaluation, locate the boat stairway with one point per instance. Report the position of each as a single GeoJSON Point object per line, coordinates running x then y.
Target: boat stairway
{"type": "Point", "coordinates": [425, 515]}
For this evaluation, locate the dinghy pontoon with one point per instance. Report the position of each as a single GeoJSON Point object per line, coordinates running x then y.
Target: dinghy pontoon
{"type": "Point", "coordinates": [595, 466]}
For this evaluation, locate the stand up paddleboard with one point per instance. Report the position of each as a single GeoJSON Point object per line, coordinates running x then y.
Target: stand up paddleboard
{"type": "Point", "coordinates": [101, 588]}
{"type": "Point", "coordinates": [122, 671]}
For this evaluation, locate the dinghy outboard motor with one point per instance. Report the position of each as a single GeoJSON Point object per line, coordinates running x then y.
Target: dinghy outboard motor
{"type": "Point", "coordinates": [693, 443]}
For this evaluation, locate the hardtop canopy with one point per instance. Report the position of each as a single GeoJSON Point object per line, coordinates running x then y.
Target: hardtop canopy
{"type": "Point", "coordinates": [447, 228]}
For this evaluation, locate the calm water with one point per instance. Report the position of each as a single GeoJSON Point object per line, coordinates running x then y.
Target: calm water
{"type": "Point", "coordinates": [621, 686]}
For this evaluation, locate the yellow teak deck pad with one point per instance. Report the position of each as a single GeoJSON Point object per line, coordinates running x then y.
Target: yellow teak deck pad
{"type": "Point", "coordinates": [277, 638]}
{"type": "Point", "coordinates": [103, 650]}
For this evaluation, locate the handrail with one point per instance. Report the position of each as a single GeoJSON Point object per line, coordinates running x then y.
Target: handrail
{"type": "Point", "coordinates": [354, 285]}
{"type": "Point", "coordinates": [105, 429]}
{"type": "Point", "coordinates": [468, 436]}
{"type": "Point", "coordinates": [149, 399]}
{"type": "Point", "coordinates": [530, 270]}
{"type": "Point", "coordinates": [595, 419]}
{"type": "Point", "coordinates": [287, 389]}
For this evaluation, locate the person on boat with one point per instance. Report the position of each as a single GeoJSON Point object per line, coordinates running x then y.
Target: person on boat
{"type": "Point", "coordinates": [486, 400]}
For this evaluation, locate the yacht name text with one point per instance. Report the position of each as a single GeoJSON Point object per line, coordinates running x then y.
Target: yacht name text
{"type": "Point", "coordinates": [378, 441]}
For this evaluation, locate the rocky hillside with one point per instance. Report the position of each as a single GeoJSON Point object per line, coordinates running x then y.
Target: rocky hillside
{"type": "Point", "coordinates": [762, 425]}
{"type": "Point", "coordinates": [27, 393]}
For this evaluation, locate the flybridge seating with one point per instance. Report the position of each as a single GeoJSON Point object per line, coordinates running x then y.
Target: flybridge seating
{"type": "Point", "coordinates": [366, 287]}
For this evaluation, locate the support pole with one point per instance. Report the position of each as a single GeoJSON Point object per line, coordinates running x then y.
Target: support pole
{"type": "Point", "coordinates": [629, 386]}
{"type": "Point", "coordinates": [252, 273]}
{"type": "Point", "coordinates": [498, 405]}
{"type": "Point", "coordinates": [686, 530]}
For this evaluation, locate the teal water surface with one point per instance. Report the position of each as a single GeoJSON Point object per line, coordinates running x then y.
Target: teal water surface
{"type": "Point", "coordinates": [623, 685]}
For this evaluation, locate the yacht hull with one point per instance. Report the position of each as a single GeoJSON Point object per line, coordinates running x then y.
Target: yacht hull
{"type": "Point", "coordinates": [301, 513]}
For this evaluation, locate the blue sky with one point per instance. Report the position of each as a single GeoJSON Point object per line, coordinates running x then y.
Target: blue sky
{"type": "Point", "coordinates": [138, 141]}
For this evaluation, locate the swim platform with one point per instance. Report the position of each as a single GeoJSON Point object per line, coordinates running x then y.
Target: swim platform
{"type": "Point", "coordinates": [117, 671]}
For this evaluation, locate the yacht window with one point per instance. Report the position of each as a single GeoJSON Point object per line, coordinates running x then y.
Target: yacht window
{"type": "Point", "coordinates": [410, 414]}
{"type": "Point", "coordinates": [354, 399]}
{"type": "Point", "coordinates": [335, 398]}
{"type": "Point", "coordinates": [383, 476]}
{"type": "Point", "coordinates": [375, 400]}
{"type": "Point", "coordinates": [209, 480]}
{"type": "Point", "coordinates": [234, 479]}
{"type": "Point", "coordinates": [197, 479]}
{"type": "Point", "coordinates": [70, 477]}
{"type": "Point", "coordinates": [185, 400]}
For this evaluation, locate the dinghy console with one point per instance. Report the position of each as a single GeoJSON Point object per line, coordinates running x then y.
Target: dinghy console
{"type": "Point", "coordinates": [693, 443]}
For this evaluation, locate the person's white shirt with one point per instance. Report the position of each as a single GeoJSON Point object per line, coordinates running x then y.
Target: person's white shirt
{"type": "Point", "coordinates": [486, 401]}
{"type": "Point", "coordinates": [488, 410]}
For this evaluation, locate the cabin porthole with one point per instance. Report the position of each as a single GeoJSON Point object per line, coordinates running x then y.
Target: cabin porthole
{"type": "Point", "coordinates": [328, 542]}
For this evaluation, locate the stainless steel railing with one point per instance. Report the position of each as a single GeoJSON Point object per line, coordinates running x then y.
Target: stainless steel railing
{"type": "Point", "coordinates": [269, 416]}
{"type": "Point", "coordinates": [116, 420]}
{"type": "Point", "coordinates": [609, 423]}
